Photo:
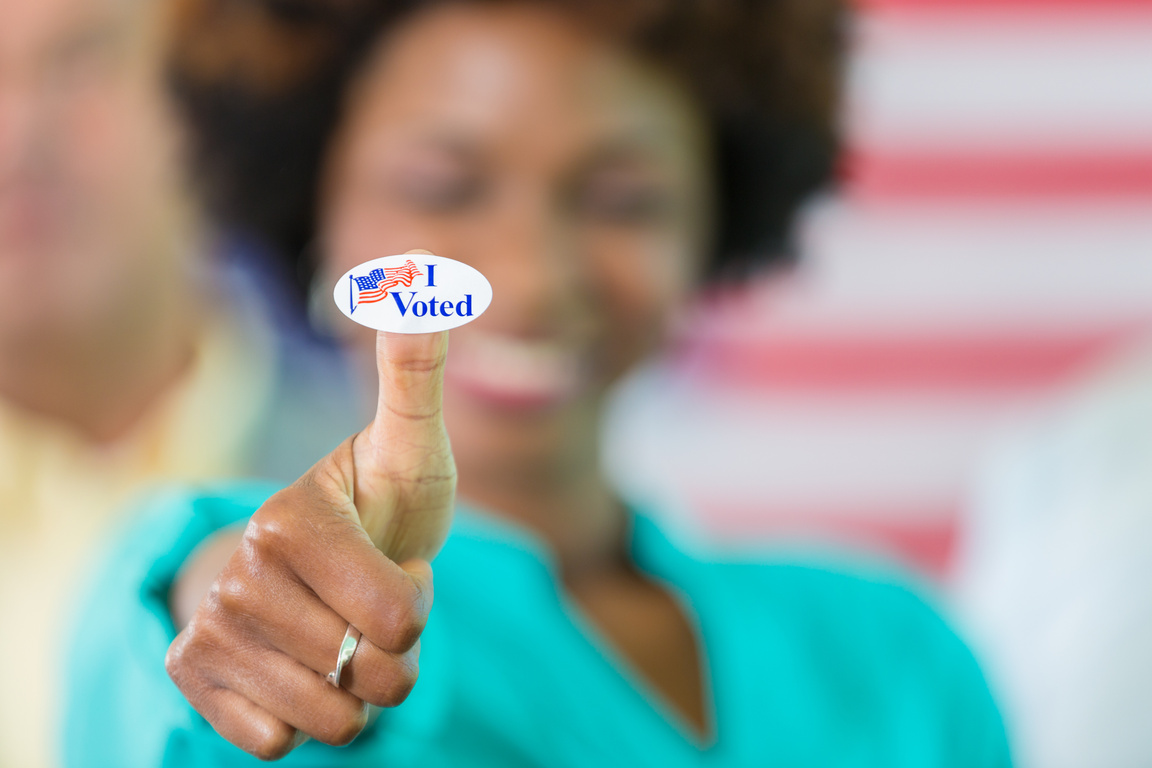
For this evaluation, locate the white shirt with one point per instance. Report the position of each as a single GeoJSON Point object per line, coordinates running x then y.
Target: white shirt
{"type": "Point", "coordinates": [1055, 578]}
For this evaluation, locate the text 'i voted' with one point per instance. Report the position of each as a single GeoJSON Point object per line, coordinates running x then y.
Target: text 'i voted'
{"type": "Point", "coordinates": [413, 293]}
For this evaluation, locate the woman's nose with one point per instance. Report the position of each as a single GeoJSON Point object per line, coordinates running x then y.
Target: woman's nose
{"type": "Point", "coordinates": [530, 254]}
{"type": "Point", "coordinates": [22, 134]}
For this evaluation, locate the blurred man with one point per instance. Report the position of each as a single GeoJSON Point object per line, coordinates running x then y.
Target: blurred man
{"type": "Point", "coordinates": [126, 355]}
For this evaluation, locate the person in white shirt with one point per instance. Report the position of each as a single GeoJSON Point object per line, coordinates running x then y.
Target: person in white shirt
{"type": "Point", "coordinates": [1055, 576]}
{"type": "Point", "coordinates": [128, 355]}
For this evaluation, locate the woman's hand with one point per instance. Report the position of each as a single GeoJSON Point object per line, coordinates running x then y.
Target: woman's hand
{"type": "Point", "coordinates": [348, 543]}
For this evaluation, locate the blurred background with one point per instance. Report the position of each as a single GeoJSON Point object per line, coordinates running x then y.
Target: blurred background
{"type": "Point", "coordinates": [990, 244]}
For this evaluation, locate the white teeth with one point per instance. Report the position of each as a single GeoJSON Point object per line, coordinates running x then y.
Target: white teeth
{"type": "Point", "coordinates": [517, 366]}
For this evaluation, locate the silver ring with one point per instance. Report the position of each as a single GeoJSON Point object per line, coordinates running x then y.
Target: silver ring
{"type": "Point", "coordinates": [347, 651]}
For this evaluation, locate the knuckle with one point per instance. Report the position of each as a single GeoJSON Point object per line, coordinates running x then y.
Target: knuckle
{"type": "Point", "coordinates": [288, 525]}
{"type": "Point", "coordinates": [344, 728]}
{"type": "Point", "coordinates": [272, 530]}
{"type": "Point", "coordinates": [266, 536]}
{"type": "Point", "coordinates": [176, 661]}
{"type": "Point", "coordinates": [187, 656]}
{"type": "Point", "coordinates": [397, 685]}
{"type": "Point", "coordinates": [186, 671]}
{"type": "Point", "coordinates": [233, 593]}
{"type": "Point", "coordinates": [406, 633]}
{"type": "Point", "coordinates": [274, 742]}
{"type": "Point", "coordinates": [402, 621]}
{"type": "Point", "coordinates": [402, 686]}
{"type": "Point", "coordinates": [398, 629]}
{"type": "Point", "coordinates": [204, 641]}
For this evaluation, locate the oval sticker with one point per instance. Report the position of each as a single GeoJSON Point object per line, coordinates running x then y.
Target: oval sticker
{"type": "Point", "coordinates": [413, 293]}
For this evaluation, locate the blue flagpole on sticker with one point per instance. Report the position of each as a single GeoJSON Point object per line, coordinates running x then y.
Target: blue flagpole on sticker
{"type": "Point", "coordinates": [351, 306]}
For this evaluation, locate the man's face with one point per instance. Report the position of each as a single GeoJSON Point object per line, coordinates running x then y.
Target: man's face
{"type": "Point", "coordinates": [87, 160]}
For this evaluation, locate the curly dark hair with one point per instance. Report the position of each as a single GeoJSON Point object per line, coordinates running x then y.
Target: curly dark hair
{"type": "Point", "coordinates": [261, 84]}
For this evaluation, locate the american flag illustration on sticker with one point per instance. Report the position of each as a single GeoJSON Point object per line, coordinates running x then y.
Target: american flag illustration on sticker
{"type": "Point", "coordinates": [374, 286]}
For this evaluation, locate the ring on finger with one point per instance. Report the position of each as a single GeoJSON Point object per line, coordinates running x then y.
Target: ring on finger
{"type": "Point", "coordinates": [347, 651]}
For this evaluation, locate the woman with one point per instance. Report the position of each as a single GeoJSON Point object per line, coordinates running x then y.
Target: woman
{"type": "Point", "coordinates": [567, 152]}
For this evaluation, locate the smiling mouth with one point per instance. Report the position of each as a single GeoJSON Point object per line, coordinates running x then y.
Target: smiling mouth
{"type": "Point", "coordinates": [514, 372]}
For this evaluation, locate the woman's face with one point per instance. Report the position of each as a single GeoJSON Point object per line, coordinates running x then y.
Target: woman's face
{"type": "Point", "coordinates": [568, 172]}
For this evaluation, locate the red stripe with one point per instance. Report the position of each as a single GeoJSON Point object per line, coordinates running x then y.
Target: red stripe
{"type": "Point", "coordinates": [922, 537]}
{"type": "Point", "coordinates": [846, 362]}
{"type": "Point", "coordinates": [878, 174]}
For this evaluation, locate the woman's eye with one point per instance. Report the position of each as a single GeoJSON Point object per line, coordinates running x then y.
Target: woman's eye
{"type": "Point", "coordinates": [626, 205]}
{"type": "Point", "coordinates": [82, 60]}
{"type": "Point", "coordinates": [439, 193]}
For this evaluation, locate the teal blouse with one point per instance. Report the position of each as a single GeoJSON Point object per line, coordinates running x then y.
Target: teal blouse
{"type": "Point", "coordinates": [805, 666]}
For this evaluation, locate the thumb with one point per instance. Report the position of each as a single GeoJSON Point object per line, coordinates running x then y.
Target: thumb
{"type": "Point", "coordinates": [405, 476]}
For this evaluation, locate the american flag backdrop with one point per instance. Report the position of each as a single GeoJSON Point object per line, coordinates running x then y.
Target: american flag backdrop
{"type": "Point", "coordinates": [991, 244]}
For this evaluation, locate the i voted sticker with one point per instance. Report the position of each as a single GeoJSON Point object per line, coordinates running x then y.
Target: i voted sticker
{"type": "Point", "coordinates": [413, 293]}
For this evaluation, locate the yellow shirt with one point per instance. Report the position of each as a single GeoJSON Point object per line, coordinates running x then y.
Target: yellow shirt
{"type": "Point", "coordinates": [60, 495]}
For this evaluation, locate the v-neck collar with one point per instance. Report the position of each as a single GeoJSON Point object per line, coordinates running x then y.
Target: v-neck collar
{"type": "Point", "coordinates": [655, 556]}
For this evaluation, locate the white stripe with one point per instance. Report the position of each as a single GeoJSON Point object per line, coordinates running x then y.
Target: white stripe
{"type": "Point", "coordinates": [1026, 81]}
{"type": "Point", "coordinates": [979, 264]}
{"type": "Point", "coordinates": [896, 453]}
